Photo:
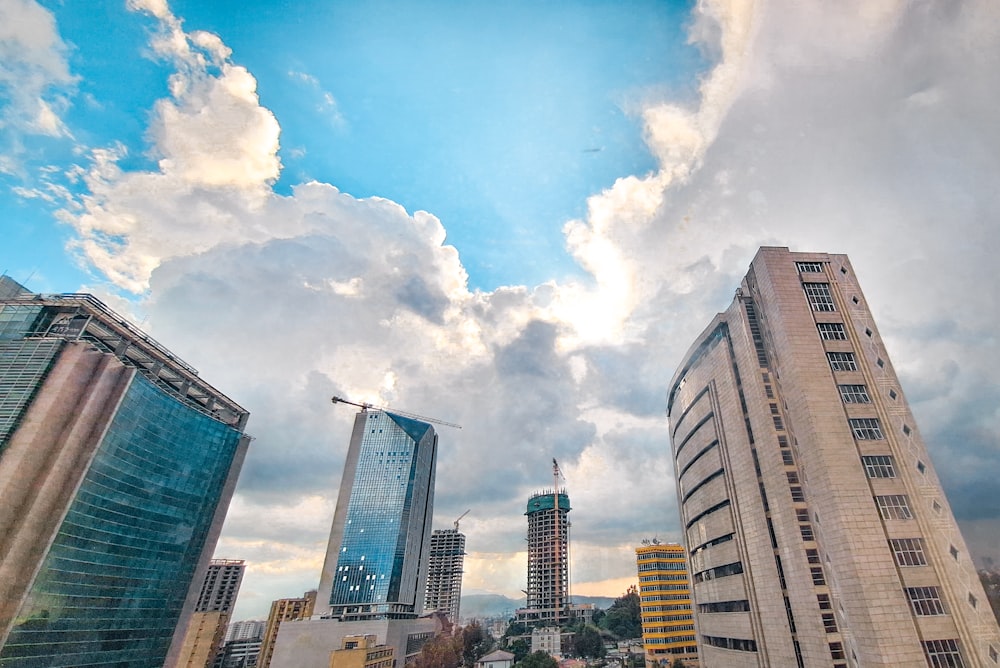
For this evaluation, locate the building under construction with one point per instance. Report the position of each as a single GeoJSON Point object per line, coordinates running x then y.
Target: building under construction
{"type": "Point", "coordinates": [548, 601]}
{"type": "Point", "coordinates": [444, 573]}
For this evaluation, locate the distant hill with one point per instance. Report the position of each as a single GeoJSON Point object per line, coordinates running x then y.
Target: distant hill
{"type": "Point", "coordinates": [483, 606]}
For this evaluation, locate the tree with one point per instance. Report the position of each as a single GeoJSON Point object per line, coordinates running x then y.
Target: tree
{"type": "Point", "coordinates": [537, 660]}
{"type": "Point", "coordinates": [623, 619]}
{"type": "Point", "coordinates": [520, 648]}
{"type": "Point", "coordinates": [476, 643]}
{"type": "Point", "coordinates": [588, 643]}
{"type": "Point", "coordinates": [442, 651]}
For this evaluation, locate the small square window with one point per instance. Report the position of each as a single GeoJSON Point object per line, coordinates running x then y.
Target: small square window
{"type": "Point", "coordinates": [843, 271]}
{"type": "Point", "coordinates": [936, 506]}
{"type": "Point", "coordinates": [972, 601]}
{"type": "Point", "coordinates": [953, 551]}
{"type": "Point", "coordinates": [921, 467]}
{"type": "Point", "coordinates": [855, 300]}
{"type": "Point", "coordinates": [993, 654]}
{"type": "Point", "coordinates": [868, 332]}
{"type": "Point", "coordinates": [906, 430]}
{"type": "Point", "coordinates": [880, 363]}
{"type": "Point", "coordinates": [892, 394]}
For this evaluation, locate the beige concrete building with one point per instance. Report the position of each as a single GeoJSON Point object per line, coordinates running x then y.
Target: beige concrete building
{"type": "Point", "coordinates": [818, 532]}
{"type": "Point", "coordinates": [283, 610]}
{"type": "Point", "coordinates": [362, 652]}
{"type": "Point", "coordinates": [209, 623]}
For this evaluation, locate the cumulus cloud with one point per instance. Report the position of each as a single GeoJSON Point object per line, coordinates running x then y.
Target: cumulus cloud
{"type": "Point", "coordinates": [865, 127]}
{"type": "Point", "coordinates": [33, 73]}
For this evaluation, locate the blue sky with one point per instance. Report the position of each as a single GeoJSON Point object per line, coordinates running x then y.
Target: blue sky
{"type": "Point", "coordinates": [500, 119]}
{"type": "Point", "coordinates": [512, 216]}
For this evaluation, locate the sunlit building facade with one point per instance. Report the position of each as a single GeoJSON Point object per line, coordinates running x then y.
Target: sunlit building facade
{"type": "Point", "coordinates": [818, 531]}
{"type": "Point", "coordinates": [283, 610]}
{"type": "Point", "coordinates": [117, 463]}
{"type": "Point", "coordinates": [665, 605]}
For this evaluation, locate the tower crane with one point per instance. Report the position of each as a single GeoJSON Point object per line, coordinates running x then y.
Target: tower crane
{"type": "Point", "coordinates": [367, 406]}
{"type": "Point", "coordinates": [460, 518]}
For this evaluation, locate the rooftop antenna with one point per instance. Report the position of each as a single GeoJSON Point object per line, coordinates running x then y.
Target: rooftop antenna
{"type": "Point", "coordinates": [365, 406]}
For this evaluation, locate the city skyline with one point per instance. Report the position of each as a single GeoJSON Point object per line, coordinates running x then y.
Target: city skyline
{"type": "Point", "coordinates": [523, 244]}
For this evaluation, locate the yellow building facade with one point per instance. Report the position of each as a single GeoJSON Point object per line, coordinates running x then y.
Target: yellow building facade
{"type": "Point", "coordinates": [665, 600]}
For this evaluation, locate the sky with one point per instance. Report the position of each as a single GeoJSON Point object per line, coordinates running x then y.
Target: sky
{"type": "Point", "coordinates": [511, 216]}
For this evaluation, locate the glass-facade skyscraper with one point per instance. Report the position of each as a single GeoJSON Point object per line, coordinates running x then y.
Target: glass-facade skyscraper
{"type": "Point", "coordinates": [117, 463]}
{"type": "Point", "coordinates": [376, 561]}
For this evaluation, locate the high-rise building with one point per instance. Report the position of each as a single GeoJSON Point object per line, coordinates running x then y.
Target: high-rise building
{"type": "Point", "coordinates": [251, 628]}
{"type": "Point", "coordinates": [665, 604]}
{"type": "Point", "coordinates": [375, 570]}
{"type": "Point", "coordinates": [362, 651]}
{"type": "Point", "coordinates": [283, 610]}
{"type": "Point", "coordinates": [117, 464]}
{"type": "Point", "coordinates": [207, 629]}
{"type": "Point", "coordinates": [548, 560]}
{"type": "Point", "coordinates": [377, 557]}
{"type": "Point", "coordinates": [818, 532]}
{"type": "Point", "coordinates": [444, 573]}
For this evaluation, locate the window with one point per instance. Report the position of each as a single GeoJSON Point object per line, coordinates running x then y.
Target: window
{"type": "Point", "coordinates": [993, 654]}
{"type": "Point", "coordinates": [880, 362]}
{"type": "Point", "coordinates": [807, 532]}
{"type": "Point", "coordinates": [854, 394]}
{"type": "Point", "coordinates": [812, 556]}
{"type": "Point", "coordinates": [894, 507]}
{"type": "Point", "coordinates": [842, 361]}
{"type": "Point", "coordinates": [954, 551]}
{"type": "Point", "coordinates": [824, 601]}
{"type": "Point", "coordinates": [817, 575]}
{"type": "Point", "coordinates": [925, 601]}
{"type": "Point", "coordinates": [908, 551]}
{"type": "Point", "coordinates": [921, 467]}
{"type": "Point", "coordinates": [832, 331]}
{"type": "Point", "coordinates": [829, 623]}
{"type": "Point", "coordinates": [809, 267]}
{"type": "Point", "coordinates": [786, 458]}
{"type": "Point", "coordinates": [837, 650]}
{"type": "Point", "coordinates": [819, 296]}
{"type": "Point", "coordinates": [892, 394]}
{"type": "Point", "coordinates": [868, 332]}
{"type": "Point", "coordinates": [793, 477]}
{"type": "Point", "coordinates": [797, 494]}
{"type": "Point", "coordinates": [879, 466]}
{"type": "Point", "coordinates": [906, 430]}
{"type": "Point", "coordinates": [866, 429]}
{"type": "Point", "coordinates": [778, 424]}
{"type": "Point", "coordinates": [802, 515]}
{"type": "Point", "coordinates": [972, 601]}
{"type": "Point", "coordinates": [943, 653]}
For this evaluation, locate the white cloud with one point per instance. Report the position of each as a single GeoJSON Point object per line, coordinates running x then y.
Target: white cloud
{"type": "Point", "coordinates": [862, 128]}
{"type": "Point", "coordinates": [34, 78]}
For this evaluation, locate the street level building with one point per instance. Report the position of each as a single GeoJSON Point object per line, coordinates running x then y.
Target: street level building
{"type": "Point", "coordinates": [283, 610]}
{"type": "Point", "coordinates": [444, 573]}
{"type": "Point", "coordinates": [117, 464]}
{"type": "Point", "coordinates": [818, 531]}
{"type": "Point", "coordinates": [362, 652]}
{"type": "Point", "coordinates": [665, 605]}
